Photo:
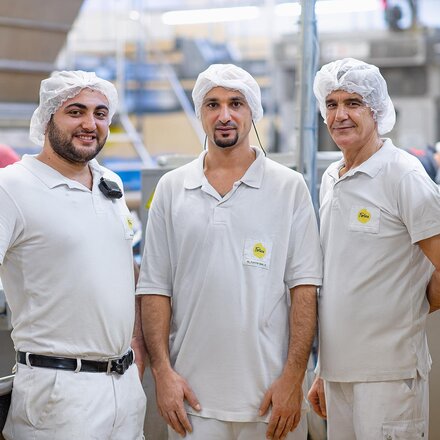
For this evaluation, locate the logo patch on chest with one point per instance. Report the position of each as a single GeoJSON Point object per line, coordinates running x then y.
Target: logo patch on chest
{"type": "Point", "coordinates": [364, 219]}
{"type": "Point", "coordinates": [259, 250]}
{"type": "Point", "coordinates": [257, 253]}
{"type": "Point", "coordinates": [364, 216]}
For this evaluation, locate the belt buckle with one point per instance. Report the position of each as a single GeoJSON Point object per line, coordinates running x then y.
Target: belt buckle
{"type": "Point", "coordinates": [119, 366]}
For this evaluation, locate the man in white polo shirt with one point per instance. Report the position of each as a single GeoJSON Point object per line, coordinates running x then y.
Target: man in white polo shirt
{"type": "Point", "coordinates": [67, 271]}
{"type": "Point", "coordinates": [228, 279]}
{"type": "Point", "coordinates": [380, 226]}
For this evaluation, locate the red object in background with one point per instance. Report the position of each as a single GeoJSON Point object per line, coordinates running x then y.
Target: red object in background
{"type": "Point", "coordinates": [7, 156]}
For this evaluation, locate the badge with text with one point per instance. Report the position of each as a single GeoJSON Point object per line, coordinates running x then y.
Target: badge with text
{"type": "Point", "coordinates": [127, 221]}
{"type": "Point", "coordinates": [364, 216]}
{"type": "Point", "coordinates": [257, 253]}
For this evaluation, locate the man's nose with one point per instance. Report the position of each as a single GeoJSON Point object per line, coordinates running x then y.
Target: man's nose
{"type": "Point", "coordinates": [341, 113]}
{"type": "Point", "coordinates": [225, 115]}
{"type": "Point", "coordinates": [88, 122]}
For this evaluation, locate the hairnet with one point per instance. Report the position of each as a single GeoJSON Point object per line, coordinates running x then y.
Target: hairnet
{"type": "Point", "coordinates": [355, 76]}
{"type": "Point", "coordinates": [229, 77]}
{"type": "Point", "coordinates": [60, 87]}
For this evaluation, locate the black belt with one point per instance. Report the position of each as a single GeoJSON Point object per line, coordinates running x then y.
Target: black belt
{"type": "Point", "coordinates": [118, 366]}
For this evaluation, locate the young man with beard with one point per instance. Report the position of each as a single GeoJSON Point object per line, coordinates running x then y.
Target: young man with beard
{"type": "Point", "coordinates": [380, 235]}
{"type": "Point", "coordinates": [67, 271]}
{"type": "Point", "coordinates": [228, 279]}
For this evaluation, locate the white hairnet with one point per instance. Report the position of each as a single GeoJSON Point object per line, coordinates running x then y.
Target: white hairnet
{"type": "Point", "coordinates": [231, 77]}
{"type": "Point", "coordinates": [60, 87]}
{"type": "Point", "coordinates": [354, 76]}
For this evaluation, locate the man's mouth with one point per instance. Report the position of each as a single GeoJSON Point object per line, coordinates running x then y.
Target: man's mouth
{"type": "Point", "coordinates": [225, 129]}
{"type": "Point", "coordinates": [343, 127]}
{"type": "Point", "coordinates": [86, 137]}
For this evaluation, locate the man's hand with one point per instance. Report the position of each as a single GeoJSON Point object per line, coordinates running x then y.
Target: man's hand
{"type": "Point", "coordinates": [316, 397]}
{"type": "Point", "coordinates": [285, 398]}
{"type": "Point", "coordinates": [171, 390]}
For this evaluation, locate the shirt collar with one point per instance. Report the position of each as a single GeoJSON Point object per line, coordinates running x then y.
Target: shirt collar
{"type": "Point", "coordinates": [52, 178]}
{"type": "Point", "coordinates": [252, 177]}
{"type": "Point", "coordinates": [371, 166]}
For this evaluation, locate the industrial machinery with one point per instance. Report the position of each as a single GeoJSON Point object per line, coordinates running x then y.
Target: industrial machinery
{"type": "Point", "coordinates": [410, 63]}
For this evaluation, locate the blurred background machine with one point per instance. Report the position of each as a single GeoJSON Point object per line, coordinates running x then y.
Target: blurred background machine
{"type": "Point", "coordinates": [410, 63]}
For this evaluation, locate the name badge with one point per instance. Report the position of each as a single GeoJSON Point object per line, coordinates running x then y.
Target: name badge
{"type": "Point", "coordinates": [128, 224]}
{"type": "Point", "coordinates": [257, 252]}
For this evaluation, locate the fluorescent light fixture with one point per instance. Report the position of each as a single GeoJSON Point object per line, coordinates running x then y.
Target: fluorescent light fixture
{"type": "Point", "coordinates": [216, 15]}
{"type": "Point", "coordinates": [329, 7]}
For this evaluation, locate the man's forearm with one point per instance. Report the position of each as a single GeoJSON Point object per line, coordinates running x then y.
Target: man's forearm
{"type": "Point", "coordinates": [433, 292]}
{"type": "Point", "coordinates": [137, 341]}
{"type": "Point", "coordinates": [137, 331]}
{"type": "Point", "coordinates": [156, 315]}
{"type": "Point", "coordinates": [302, 330]}
{"type": "Point", "coordinates": [431, 248]}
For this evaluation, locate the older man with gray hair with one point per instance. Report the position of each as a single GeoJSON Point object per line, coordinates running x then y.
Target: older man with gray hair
{"type": "Point", "coordinates": [228, 279]}
{"type": "Point", "coordinates": [67, 271]}
{"type": "Point", "coordinates": [380, 237]}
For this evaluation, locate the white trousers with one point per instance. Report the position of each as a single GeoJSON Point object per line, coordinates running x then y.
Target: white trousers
{"type": "Point", "coordinates": [388, 410]}
{"type": "Point", "coordinates": [212, 429]}
{"type": "Point", "coordinates": [49, 404]}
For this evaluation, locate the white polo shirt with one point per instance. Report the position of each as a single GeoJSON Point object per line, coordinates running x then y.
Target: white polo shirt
{"type": "Point", "coordinates": [372, 306]}
{"type": "Point", "coordinates": [66, 262]}
{"type": "Point", "coordinates": [228, 264]}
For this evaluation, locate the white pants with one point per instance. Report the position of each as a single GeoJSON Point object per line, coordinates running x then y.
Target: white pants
{"type": "Point", "coordinates": [211, 429]}
{"type": "Point", "coordinates": [49, 404]}
{"type": "Point", "coordinates": [388, 410]}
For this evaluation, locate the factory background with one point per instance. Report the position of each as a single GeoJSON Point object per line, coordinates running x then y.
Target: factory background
{"type": "Point", "coordinates": [154, 50]}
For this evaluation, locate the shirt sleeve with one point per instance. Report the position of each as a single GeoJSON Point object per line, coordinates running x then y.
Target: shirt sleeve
{"type": "Point", "coordinates": [10, 223]}
{"type": "Point", "coordinates": [419, 205]}
{"type": "Point", "coordinates": [155, 275]}
{"type": "Point", "coordinates": [304, 262]}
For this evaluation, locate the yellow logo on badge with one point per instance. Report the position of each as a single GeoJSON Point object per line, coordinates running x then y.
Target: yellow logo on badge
{"type": "Point", "coordinates": [130, 222]}
{"type": "Point", "coordinates": [259, 250]}
{"type": "Point", "coordinates": [364, 216]}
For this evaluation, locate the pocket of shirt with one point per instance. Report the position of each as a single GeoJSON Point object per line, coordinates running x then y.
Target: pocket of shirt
{"type": "Point", "coordinates": [364, 219]}
{"type": "Point", "coordinates": [127, 223]}
{"type": "Point", "coordinates": [404, 430]}
{"type": "Point", "coordinates": [257, 252]}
